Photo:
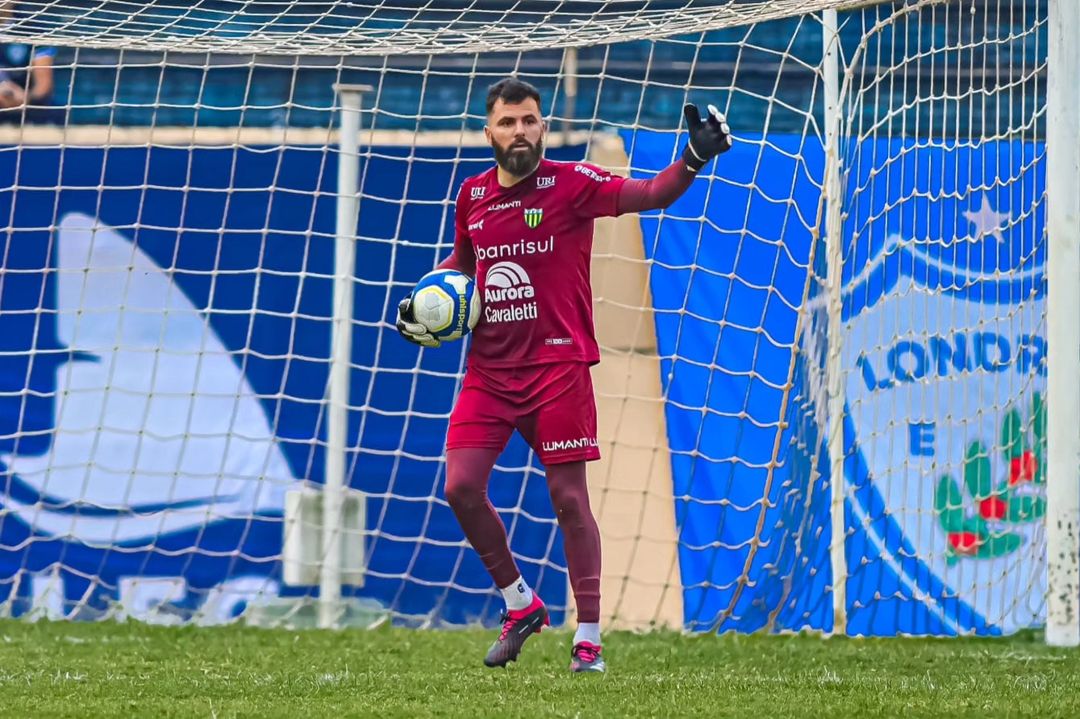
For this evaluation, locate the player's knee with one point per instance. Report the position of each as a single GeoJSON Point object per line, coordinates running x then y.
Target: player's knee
{"type": "Point", "coordinates": [462, 494]}
{"type": "Point", "coordinates": [569, 503]}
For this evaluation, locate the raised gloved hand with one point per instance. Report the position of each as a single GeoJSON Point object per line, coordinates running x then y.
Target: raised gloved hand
{"type": "Point", "coordinates": [410, 329]}
{"type": "Point", "coordinates": [707, 139]}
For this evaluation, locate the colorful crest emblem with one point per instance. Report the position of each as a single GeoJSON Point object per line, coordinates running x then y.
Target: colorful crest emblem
{"type": "Point", "coordinates": [533, 216]}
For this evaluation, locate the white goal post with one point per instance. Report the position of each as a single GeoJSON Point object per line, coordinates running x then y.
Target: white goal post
{"type": "Point", "coordinates": [1063, 307]}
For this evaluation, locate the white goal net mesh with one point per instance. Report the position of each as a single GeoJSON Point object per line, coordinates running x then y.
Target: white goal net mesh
{"type": "Point", "coordinates": [412, 27]}
{"type": "Point", "coordinates": [166, 314]}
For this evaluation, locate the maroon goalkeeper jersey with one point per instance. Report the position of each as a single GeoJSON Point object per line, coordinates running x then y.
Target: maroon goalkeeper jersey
{"type": "Point", "coordinates": [529, 246]}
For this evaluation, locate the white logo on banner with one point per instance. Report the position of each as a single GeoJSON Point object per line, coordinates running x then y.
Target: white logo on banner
{"type": "Point", "coordinates": [156, 429]}
{"type": "Point", "coordinates": [945, 390]}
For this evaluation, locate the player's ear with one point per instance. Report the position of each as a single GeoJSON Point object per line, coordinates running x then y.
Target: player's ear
{"type": "Point", "coordinates": [487, 135]}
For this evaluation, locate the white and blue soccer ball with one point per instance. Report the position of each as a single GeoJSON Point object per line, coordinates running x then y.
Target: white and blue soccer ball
{"type": "Point", "coordinates": [447, 304]}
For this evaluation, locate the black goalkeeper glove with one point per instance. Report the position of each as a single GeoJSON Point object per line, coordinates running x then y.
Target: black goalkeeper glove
{"type": "Point", "coordinates": [410, 329]}
{"type": "Point", "coordinates": [707, 139]}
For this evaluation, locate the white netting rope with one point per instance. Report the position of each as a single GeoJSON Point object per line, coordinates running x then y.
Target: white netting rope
{"type": "Point", "coordinates": [374, 28]}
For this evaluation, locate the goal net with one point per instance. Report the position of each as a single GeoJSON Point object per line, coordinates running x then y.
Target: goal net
{"type": "Point", "coordinates": [822, 397]}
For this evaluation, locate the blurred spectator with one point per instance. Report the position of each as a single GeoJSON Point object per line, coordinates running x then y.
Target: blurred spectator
{"type": "Point", "coordinates": [26, 79]}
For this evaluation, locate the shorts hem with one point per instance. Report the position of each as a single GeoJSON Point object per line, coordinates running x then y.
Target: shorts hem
{"type": "Point", "coordinates": [474, 444]}
{"type": "Point", "coordinates": [568, 458]}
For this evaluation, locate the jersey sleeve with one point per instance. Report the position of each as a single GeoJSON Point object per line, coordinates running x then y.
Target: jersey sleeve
{"type": "Point", "coordinates": [463, 257]}
{"type": "Point", "coordinates": [595, 191]}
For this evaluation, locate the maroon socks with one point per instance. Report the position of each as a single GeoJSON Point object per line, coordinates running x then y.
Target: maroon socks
{"type": "Point", "coordinates": [467, 473]}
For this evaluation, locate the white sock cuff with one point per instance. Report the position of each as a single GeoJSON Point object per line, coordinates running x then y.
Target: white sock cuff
{"type": "Point", "coordinates": [518, 595]}
{"type": "Point", "coordinates": [588, 632]}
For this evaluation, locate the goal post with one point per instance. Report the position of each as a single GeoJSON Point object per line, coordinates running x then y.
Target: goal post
{"type": "Point", "coordinates": [836, 391]}
{"type": "Point", "coordinates": [1063, 308]}
{"type": "Point", "coordinates": [345, 228]}
{"type": "Point", "coordinates": [832, 197]}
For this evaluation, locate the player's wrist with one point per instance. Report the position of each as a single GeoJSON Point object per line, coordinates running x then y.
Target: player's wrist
{"type": "Point", "coordinates": [707, 138]}
{"type": "Point", "coordinates": [694, 162]}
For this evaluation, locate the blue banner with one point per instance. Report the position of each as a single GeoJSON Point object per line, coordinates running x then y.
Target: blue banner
{"type": "Point", "coordinates": [943, 355]}
{"type": "Point", "coordinates": [165, 326]}
{"type": "Point", "coordinates": [726, 294]}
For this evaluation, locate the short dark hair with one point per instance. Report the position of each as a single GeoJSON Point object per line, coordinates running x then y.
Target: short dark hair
{"type": "Point", "coordinates": [511, 90]}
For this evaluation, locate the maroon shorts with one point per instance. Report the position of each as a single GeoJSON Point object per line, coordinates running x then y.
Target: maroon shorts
{"type": "Point", "coordinates": [551, 405]}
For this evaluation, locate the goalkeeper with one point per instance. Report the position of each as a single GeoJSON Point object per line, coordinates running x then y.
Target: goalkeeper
{"type": "Point", "coordinates": [524, 230]}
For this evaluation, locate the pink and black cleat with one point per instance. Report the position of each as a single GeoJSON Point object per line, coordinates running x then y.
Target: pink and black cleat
{"type": "Point", "coordinates": [585, 657]}
{"type": "Point", "coordinates": [518, 625]}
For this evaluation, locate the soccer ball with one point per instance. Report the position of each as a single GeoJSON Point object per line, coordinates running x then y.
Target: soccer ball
{"type": "Point", "coordinates": [447, 304]}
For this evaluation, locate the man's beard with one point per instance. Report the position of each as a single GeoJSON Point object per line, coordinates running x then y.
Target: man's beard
{"type": "Point", "coordinates": [519, 163]}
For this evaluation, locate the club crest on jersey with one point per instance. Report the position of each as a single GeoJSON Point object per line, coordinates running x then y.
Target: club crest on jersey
{"type": "Point", "coordinates": [542, 183]}
{"type": "Point", "coordinates": [477, 193]}
{"type": "Point", "coordinates": [533, 216]}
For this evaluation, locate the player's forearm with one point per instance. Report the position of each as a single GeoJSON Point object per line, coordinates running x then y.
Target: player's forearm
{"type": "Point", "coordinates": [454, 262]}
{"type": "Point", "coordinates": [658, 192]}
{"type": "Point", "coordinates": [450, 263]}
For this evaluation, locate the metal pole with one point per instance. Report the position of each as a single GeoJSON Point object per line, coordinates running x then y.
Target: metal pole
{"type": "Point", "coordinates": [337, 415]}
{"type": "Point", "coordinates": [1063, 324]}
{"type": "Point", "coordinates": [834, 371]}
{"type": "Point", "coordinates": [570, 74]}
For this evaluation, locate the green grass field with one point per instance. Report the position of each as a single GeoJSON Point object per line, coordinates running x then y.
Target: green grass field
{"type": "Point", "coordinates": [109, 669]}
